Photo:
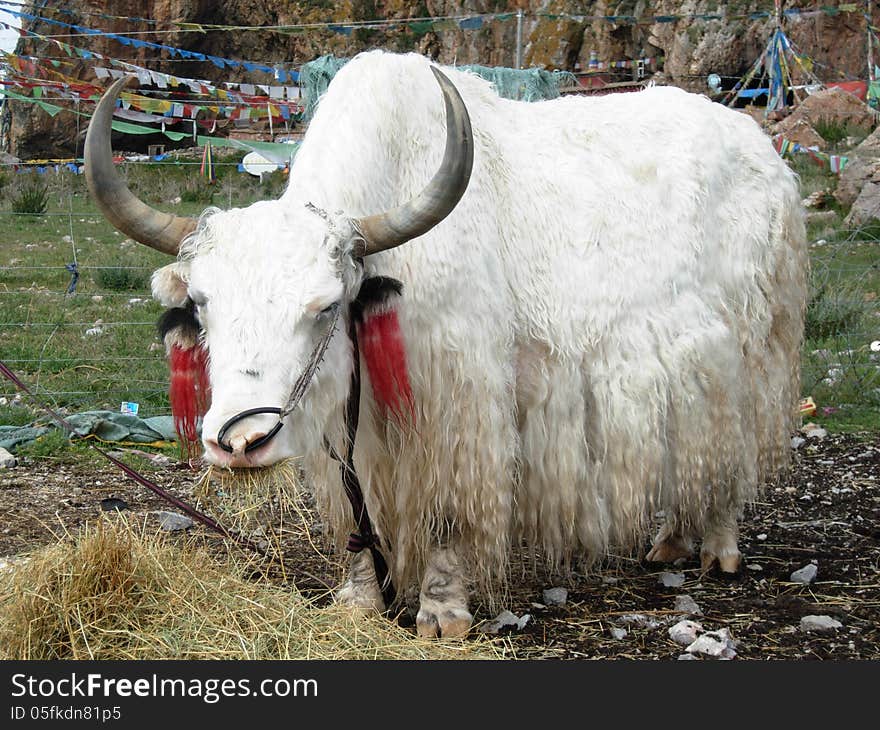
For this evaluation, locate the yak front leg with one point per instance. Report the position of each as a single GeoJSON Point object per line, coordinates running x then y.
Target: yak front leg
{"type": "Point", "coordinates": [361, 588]}
{"type": "Point", "coordinates": [443, 609]}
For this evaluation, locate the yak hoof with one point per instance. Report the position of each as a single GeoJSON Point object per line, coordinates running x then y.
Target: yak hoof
{"type": "Point", "coordinates": [669, 549]}
{"type": "Point", "coordinates": [361, 589]}
{"type": "Point", "coordinates": [720, 548]}
{"type": "Point", "coordinates": [435, 620]}
{"type": "Point", "coordinates": [443, 597]}
{"type": "Point", "coordinates": [727, 563]}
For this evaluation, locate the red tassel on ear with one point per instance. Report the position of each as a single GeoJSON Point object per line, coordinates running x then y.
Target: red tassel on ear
{"type": "Point", "coordinates": [189, 393]}
{"type": "Point", "coordinates": [384, 353]}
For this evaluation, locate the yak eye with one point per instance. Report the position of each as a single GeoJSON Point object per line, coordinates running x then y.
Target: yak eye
{"type": "Point", "coordinates": [328, 311]}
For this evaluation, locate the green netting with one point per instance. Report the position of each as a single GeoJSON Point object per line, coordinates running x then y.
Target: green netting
{"type": "Point", "coordinates": [529, 84]}
{"type": "Point", "coordinates": [315, 77]}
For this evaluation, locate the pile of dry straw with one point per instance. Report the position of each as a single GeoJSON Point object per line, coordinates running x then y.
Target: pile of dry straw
{"type": "Point", "coordinates": [121, 590]}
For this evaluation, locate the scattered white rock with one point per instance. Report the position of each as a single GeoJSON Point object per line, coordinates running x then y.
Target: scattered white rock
{"type": "Point", "coordinates": [671, 580]}
{"type": "Point", "coordinates": [817, 433]}
{"type": "Point", "coordinates": [761, 537]}
{"type": "Point", "coordinates": [135, 300]}
{"type": "Point", "coordinates": [797, 442]}
{"type": "Point", "coordinates": [4, 401]}
{"type": "Point", "coordinates": [819, 624]}
{"type": "Point", "coordinates": [685, 604]}
{"type": "Point", "coordinates": [155, 346]}
{"type": "Point", "coordinates": [718, 644]}
{"type": "Point", "coordinates": [505, 618]}
{"type": "Point", "coordinates": [10, 561]}
{"type": "Point", "coordinates": [7, 460]}
{"type": "Point", "coordinates": [617, 632]}
{"type": "Point", "coordinates": [556, 596]}
{"type": "Point", "coordinates": [686, 658]}
{"type": "Point", "coordinates": [805, 575]}
{"type": "Point", "coordinates": [685, 632]}
{"type": "Point", "coordinates": [639, 619]}
{"type": "Point", "coordinates": [97, 298]}
{"type": "Point", "coordinates": [816, 200]}
{"type": "Point", "coordinates": [66, 239]}
{"type": "Point", "coordinates": [96, 328]}
{"type": "Point", "coordinates": [754, 566]}
{"type": "Point", "coordinates": [609, 580]}
{"type": "Point", "coordinates": [159, 459]}
{"type": "Point", "coordinates": [172, 521]}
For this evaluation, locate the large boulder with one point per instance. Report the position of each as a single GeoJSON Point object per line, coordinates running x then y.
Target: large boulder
{"type": "Point", "coordinates": [859, 184]}
{"type": "Point", "coordinates": [860, 170]}
{"type": "Point", "coordinates": [866, 207]}
{"type": "Point", "coordinates": [836, 106]}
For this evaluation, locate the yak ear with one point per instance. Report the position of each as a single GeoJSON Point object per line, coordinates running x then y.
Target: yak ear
{"type": "Point", "coordinates": [169, 284]}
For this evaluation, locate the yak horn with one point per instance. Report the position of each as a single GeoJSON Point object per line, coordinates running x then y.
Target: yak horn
{"type": "Point", "coordinates": [415, 218]}
{"type": "Point", "coordinates": [136, 219]}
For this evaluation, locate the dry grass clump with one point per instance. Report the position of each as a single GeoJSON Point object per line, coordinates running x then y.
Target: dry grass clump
{"type": "Point", "coordinates": [118, 592]}
{"type": "Point", "coordinates": [269, 506]}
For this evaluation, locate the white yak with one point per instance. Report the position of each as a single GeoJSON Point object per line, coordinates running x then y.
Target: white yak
{"type": "Point", "coordinates": [600, 318]}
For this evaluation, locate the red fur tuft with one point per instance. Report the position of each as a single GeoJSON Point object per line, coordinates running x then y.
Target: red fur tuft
{"type": "Point", "coordinates": [382, 347]}
{"type": "Point", "coordinates": [189, 393]}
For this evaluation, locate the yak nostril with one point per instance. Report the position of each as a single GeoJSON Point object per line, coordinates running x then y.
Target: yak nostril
{"type": "Point", "coordinates": [246, 443]}
{"type": "Point", "coordinates": [256, 440]}
{"type": "Point", "coordinates": [238, 444]}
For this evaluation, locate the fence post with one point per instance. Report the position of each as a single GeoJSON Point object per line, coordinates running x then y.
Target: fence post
{"type": "Point", "coordinates": [519, 31]}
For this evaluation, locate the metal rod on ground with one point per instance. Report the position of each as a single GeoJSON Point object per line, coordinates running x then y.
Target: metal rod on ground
{"type": "Point", "coordinates": [133, 474]}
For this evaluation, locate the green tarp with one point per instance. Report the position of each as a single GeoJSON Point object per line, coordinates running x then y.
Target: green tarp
{"type": "Point", "coordinates": [104, 425]}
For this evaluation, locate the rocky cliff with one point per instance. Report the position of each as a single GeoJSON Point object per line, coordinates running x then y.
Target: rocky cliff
{"type": "Point", "coordinates": [556, 34]}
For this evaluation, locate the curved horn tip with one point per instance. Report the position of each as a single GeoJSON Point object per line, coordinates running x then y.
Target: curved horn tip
{"type": "Point", "coordinates": [127, 213]}
{"type": "Point", "coordinates": [415, 218]}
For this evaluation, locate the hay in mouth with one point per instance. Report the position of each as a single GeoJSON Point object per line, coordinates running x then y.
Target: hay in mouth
{"type": "Point", "coordinates": [269, 505]}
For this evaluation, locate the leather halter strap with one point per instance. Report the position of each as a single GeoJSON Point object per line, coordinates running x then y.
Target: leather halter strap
{"type": "Point", "coordinates": [365, 536]}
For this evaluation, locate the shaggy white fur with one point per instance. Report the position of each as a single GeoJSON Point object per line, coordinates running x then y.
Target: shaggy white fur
{"type": "Point", "coordinates": [606, 325]}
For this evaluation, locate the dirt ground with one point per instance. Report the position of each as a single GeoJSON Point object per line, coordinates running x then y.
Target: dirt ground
{"type": "Point", "coordinates": [827, 511]}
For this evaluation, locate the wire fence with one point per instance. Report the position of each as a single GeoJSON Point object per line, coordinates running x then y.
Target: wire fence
{"type": "Point", "coordinates": [85, 338]}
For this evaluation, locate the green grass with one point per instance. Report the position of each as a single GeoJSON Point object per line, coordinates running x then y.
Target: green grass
{"type": "Point", "coordinates": [31, 198]}
{"type": "Point", "coordinates": [831, 311]}
{"type": "Point", "coordinates": [43, 330]}
{"type": "Point", "coordinates": [53, 444]}
{"type": "Point", "coordinates": [123, 278]}
{"type": "Point", "coordinates": [16, 415]}
{"type": "Point", "coordinates": [833, 131]}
